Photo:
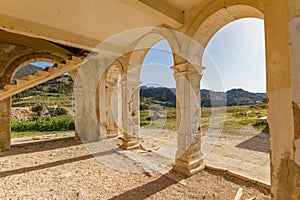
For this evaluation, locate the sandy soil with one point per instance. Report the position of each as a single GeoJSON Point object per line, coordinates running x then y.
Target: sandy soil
{"type": "Point", "coordinates": [246, 154]}
{"type": "Point", "coordinates": [20, 113]}
{"type": "Point", "coordinates": [66, 170]}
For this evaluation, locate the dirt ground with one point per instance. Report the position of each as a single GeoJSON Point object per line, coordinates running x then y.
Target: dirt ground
{"type": "Point", "coordinates": [66, 170]}
{"type": "Point", "coordinates": [248, 155]}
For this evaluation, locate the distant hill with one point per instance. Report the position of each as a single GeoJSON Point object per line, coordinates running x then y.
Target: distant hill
{"type": "Point", "coordinates": [242, 97]}
{"type": "Point", "coordinates": [149, 95]}
{"type": "Point", "coordinates": [153, 95]}
{"type": "Point", "coordinates": [62, 85]}
{"type": "Point", "coordinates": [27, 69]}
{"type": "Point", "coordinates": [59, 85]}
{"type": "Point", "coordinates": [234, 97]}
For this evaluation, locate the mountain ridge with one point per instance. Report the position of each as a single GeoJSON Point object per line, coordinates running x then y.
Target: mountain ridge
{"type": "Point", "coordinates": [209, 98]}
{"type": "Point", "coordinates": [151, 95]}
{"type": "Point", "coordinates": [27, 69]}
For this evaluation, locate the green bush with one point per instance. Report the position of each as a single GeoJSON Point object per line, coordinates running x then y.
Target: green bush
{"type": "Point", "coordinates": [262, 125]}
{"type": "Point", "coordinates": [60, 123]}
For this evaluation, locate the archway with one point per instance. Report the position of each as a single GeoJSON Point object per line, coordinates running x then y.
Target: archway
{"type": "Point", "coordinates": [44, 109]}
{"type": "Point", "coordinates": [131, 81]}
{"type": "Point", "coordinates": [237, 52]}
{"type": "Point", "coordinates": [113, 100]}
{"type": "Point", "coordinates": [17, 57]}
{"type": "Point", "coordinates": [158, 98]}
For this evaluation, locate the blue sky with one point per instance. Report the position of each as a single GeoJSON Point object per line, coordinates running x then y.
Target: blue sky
{"type": "Point", "coordinates": [42, 64]}
{"type": "Point", "coordinates": [236, 52]}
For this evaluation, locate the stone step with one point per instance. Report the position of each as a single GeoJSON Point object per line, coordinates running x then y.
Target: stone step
{"type": "Point", "coordinates": [72, 60]}
{"type": "Point", "coordinates": [28, 77]}
{"type": "Point", "coordinates": [40, 73]}
{"type": "Point", "coordinates": [75, 59]}
{"type": "Point", "coordinates": [69, 62]}
{"type": "Point", "coordinates": [39, 76]}
{"type": "Point", "coordinates": [9, 87]}
{"type": "Point", "coordinates": [50, 69]}
{"type": "Point", "coordinates": [20, 82]}
{"type": "Point", "coordinates": [60, 65]}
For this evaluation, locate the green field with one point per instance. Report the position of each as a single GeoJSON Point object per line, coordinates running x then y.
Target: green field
{"type": "Point", "coordinates": [231, 120]}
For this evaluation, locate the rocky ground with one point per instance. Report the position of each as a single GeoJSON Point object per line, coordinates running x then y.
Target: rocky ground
{"type": "Point", "coordinates": [66, 170]}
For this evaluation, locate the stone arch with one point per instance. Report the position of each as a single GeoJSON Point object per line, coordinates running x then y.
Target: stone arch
{"type": "Point", "coordinates": [212, 17]}
{"type": "Point", "coordinates": [19, 61]}
{"type": "Point", "coordinates": [15, 57]}
{"type": "Point", "coordinates": [117, 64]}
{"type": "Point", "coordinates": [217, 15]}
{"type": "Point", "coordinates": [113, 99]}
{"type": "Point", "coordinates": [143, 45]}
{"type": "Point", "coordinates": [110, 119]}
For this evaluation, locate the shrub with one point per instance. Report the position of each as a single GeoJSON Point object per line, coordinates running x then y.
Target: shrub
{"type": "Point", "coordinates": [60, 123]}
{"type": "Point", "coordinates": [57, 111]}
{"type": "Point", "coordinates": [37, 108]}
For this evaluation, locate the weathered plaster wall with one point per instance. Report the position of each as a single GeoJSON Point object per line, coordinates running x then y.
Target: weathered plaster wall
{"type": "Point", "coordinates": [294, 29]}
{"type": "Point", "coordinates": [284, 170]}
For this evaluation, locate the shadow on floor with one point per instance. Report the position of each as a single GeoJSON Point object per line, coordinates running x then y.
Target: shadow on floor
{"type": "Point", "coordinates": [38, 147]}
{"type": "Point", "coordinates": [151, 188]}
{"type": "Point", "coordinates": [54, 164]}
{"type": "Point", "coordinates": [259, 143]}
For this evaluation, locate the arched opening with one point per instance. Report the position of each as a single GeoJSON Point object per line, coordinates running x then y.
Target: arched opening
{"type": "Point", "coordinates": [43, 111]}
{"type": "Point", "coordinates": [237, 53]}
{"type": "Point", "coordinates": [113, 101]}
{"type": "Point", "coordinates": [157, 97]}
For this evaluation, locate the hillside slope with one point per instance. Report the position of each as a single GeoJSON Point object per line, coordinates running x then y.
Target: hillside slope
{"type": "Point", "coordinates": [234, 97]}
{"type": "Point", "coordinates": [27, 69]}
{"type": "Point", "coordinates": [149, 95]}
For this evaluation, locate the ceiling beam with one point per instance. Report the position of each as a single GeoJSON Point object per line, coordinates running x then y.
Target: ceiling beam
{"type": "Point", "coordinates": [159, 9]}
{"type": "Point", "coordinates": [31, 29]}
{"type": "Point", "coordinates": [34, 43]}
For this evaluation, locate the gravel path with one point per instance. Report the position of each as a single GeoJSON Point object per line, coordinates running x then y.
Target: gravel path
{"type": "Point", "coordinates": [66, 170]}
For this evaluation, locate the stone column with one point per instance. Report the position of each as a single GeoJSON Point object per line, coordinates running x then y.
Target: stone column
{"type": "Point", "coordinates": [284, 131]}
{"type": "Point", "coordinates": [79, 111]}
{"type": "Point", "coordinates": [5, 126]}
{"type": "Point", "coordinates": [131, 113]}
{"type": "Point", "coordinates": [101, 106]}
{"type": "Point", "coordinates": [86, 94]}
{"type": "Point", "coordinates": [188, 158]}
{"type": "Point", "coordinates": [111, 115]}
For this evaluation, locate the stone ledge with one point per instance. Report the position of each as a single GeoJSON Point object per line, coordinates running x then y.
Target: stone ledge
{"type": "Point", "coordinates": [26, 143]}
{"type": "Point", "coordinates": [255, 181]}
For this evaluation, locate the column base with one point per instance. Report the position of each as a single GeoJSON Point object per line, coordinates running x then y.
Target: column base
{"type": "Point", "coordinates": [5, 143]}
{"type": "Point", "coordinates": [77, 137]}
{"type": "Point", "coordinates": [188, 168]}
{"type": "Point", "coordinates": [4, 148]}
{"type": "Point", "coordinates": [112, 134]}
{"type": "Point", "coordinates": [129, 145]}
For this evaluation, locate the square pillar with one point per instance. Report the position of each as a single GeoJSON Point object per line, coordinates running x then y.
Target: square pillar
{"type": "Point", "coordinates": [282, 53]}
{"type": "Point", "coordinates": [73, 75]}
{"type": "Point", "coordinates": [294, 30]}
{"type": "Point", "coordinates": [5, 124]}
{"type": "Point", "coordinates": [86, 93]}
{"type": "Point", "coordinates": [131, 113]}
{"type": "Point", "coordinates": [188, 110]}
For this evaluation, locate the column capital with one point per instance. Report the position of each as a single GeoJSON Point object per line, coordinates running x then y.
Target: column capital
{"type": "Point", "coordinates": [130, 79]}
{"type": "Point", "coordinates": [187, 68]}
{"type": "Point", "coordinates": [130, 83]}
{"type": "Point", "coordinates": [111, 88]}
